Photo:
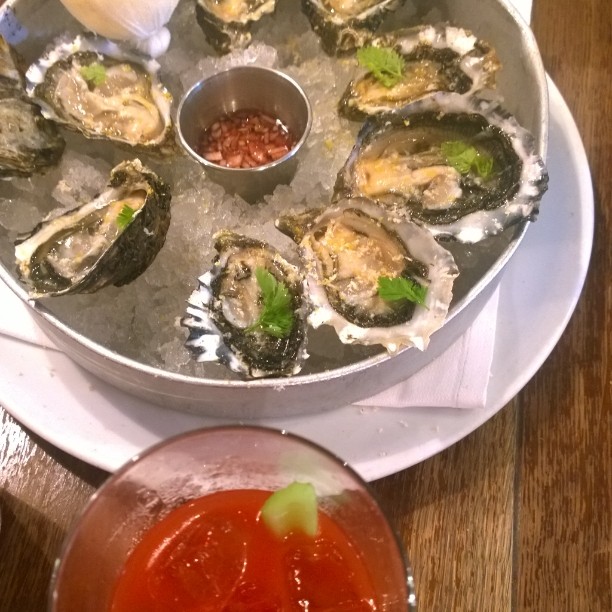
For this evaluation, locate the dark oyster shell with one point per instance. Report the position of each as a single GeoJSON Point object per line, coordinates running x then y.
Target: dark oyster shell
{"type": "Point", "coordinates": [437, 58]}
{"type": "Point", "coordinates": [29, 143]}
{"type": "Point", "coordinates": [121, 100]}
{"type": "Point", "coordinates": [226, 30]}
{"type": "Point", "coordinates": [229, 301]}
{"type": "Point", "coordinates": [342, 32]}
{"type": "Point", "coordinates": [399, 161]}
{"type": "Point", "coordinates": [87, 248]}
{"type": "Point", "coordinates": [347, 249]}
{"type": "Point", "coordinates": [11, 73]}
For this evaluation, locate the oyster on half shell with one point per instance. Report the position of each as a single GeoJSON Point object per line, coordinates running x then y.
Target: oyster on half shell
{"type": "Point", "coordinates": [93, 86]}
{"type": "Point", "coordinates": [227, 23]}
{"type": "Point", "coordinates": [344, 25]}
{"type": "Point", "coordinates": [347, 250]}
{"type": "Point", "coordinates": [110, 240]}
{"type": "Point", "coordinates": [29, 143]}
{"type": "Point", "coordinates": [405, 161]}
{"type": "Point", "coordinates": [436, 58]}
{"type": "Point", "coordinates": [222, 314]}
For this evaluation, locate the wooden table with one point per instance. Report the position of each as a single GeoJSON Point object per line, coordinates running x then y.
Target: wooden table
{"type": "Point", "coordinates": [517, 515]}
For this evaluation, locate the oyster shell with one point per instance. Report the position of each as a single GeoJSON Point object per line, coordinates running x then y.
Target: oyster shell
{"type": "Point", "coordinates": [91, 246]}
{"type": "Point", "coordinates": [227, 23]}
{"type": "Point", "coordinates": [344, 25]}
{"type": "Point", "coordinates": [229, 301]}
{"type": "Point", "coordinates": [400, 161]}
{"type": "Point", "coordinates": [29, 143]}
{"type": "Point", "coordinates": [437, 58]}
{"type": "Point", "coordinates": [94, 87]}
{"type": "Point", "coordinates": [11, 76]}
{"type": "Point", "coordinates": [347, 249]}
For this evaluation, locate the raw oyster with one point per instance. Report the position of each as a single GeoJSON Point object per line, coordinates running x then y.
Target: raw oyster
{"type": "Point", "coordinates": [29, 143]}
{"type": "Point", "coordinates": [344, 25]}
{"type": "Point", "coordinates": [437, 58]}
{"type": "Point", "coordinates": [223, 311]}
{"type": "Point", "coordinates": [227, 23]}
{"type": "Point", "coordinates": [404, 160]}
{"type": "Point", "coordinates": [110, 240]}
{"type": "Point", "coordinates": [347, 249]}
{"type": "Point", "coordinates": [92, 86]}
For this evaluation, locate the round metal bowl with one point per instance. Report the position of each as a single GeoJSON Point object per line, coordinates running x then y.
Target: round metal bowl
{"type": "Point", "coordinates": [523, 85]}
{"type": "Point", "coordinates": [237, 88]}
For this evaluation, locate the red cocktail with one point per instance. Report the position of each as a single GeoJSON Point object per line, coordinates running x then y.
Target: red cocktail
{"type": "Point", "coordinates": [208, 522]}
{"type": "Point", "coordinates": [216, 553]}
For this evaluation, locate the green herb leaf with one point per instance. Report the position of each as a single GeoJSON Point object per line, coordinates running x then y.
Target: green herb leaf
{"type": "Point", "coordinates": [385, 64]}
{"type": "Point", "coordinates": [94, 74]}
{"type": "Point", "coordinates": [125, 216]}
{"type": "Point", "coordinates": [484, 165]}
{"type": "Point", "coordinates": [276, 317]}
{"type": "Point", "coordinates": [293, 508]}
{"type": "Point", "coordinates": [465, 158]}
{"type": "Point", "coordinates": [400, 288]}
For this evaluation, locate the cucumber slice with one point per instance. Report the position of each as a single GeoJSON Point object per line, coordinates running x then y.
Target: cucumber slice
{"type": "Point", "coordinates": [292, 509]}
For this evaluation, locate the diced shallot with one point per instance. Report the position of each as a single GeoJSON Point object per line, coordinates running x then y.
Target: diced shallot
{"type": "Point", "coordinates": [245, 139]}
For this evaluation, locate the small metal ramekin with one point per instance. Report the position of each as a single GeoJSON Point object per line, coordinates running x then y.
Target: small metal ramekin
{"type": "Point", "coordinates": [246, 87]}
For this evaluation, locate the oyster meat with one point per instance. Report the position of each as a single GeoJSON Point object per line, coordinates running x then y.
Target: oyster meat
{"type": "Point", "coordinates": [227, 23]}
{"type": "Point", "coordinates": [110, 240]}
{"type": "Point", "coordinates": [461, 166]}
{"type": "Point", "coordinates": [94, 87]}
{"type": "Point", "coordinates": [347, 250]}
{"type": "Point", "coordinates": [29, 143]}
{"type": "Point", "coordinates": [223, 313]}
{"type": "Point", "coordinates": [436, 58]}
{"type": "Point", "coordinates": [344, 25]}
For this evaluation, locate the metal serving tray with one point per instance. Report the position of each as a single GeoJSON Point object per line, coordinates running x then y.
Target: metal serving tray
{"type": "Point", "coordinates": [362, 372]}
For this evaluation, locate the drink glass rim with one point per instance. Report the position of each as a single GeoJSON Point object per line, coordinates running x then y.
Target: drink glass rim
{"type": "Point", "coordinates": [195, 433]}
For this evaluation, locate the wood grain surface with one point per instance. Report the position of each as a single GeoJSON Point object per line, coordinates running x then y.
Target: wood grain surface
{"type": "Point", "coordinates": [518, 515]}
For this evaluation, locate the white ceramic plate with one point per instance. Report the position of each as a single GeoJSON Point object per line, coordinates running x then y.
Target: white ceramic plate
{"type": "Point", "coordinates": [79, 413]}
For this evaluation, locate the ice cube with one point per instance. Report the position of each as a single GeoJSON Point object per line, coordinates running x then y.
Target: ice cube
{"type": "Point", "coordinates": [322, 579]}
{"type": "Point", "coordinates": [250, 597]}
{"type": "Point", "coordinates": [207, 556]}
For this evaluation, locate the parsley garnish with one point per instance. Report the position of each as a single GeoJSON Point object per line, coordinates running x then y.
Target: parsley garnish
{"type": "Point", "coordinates": [400, 288]}
{"type": "Point", "coordinates": [94, 74]}
{"type": "Point", "coordinates": [385, 64]}
{"type": "Point", "coordinates": [276, 317]}
{"type": "Point", "coordinates": [465, 158]}
{"type": "Point", "coordinates": [125, 216]}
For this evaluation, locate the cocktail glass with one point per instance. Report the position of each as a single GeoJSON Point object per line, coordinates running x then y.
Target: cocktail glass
{"type": "Point", "coordinates": [204, 461]}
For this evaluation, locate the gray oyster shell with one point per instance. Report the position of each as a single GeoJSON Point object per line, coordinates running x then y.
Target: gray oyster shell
{"type": "Point", "coordinates": [29, 143]}
{"type": "Point", "coordinates": [86, 248]}
{"type": "Point", "coordinates": [228, 301]}
{"type": "Point", "coordinates": [437, 58]}
{"type": "Point", "coordinates": [346, 249]}
{"type": "Point", "coordinates": [129, 105]}
{"type": "Point", "coordinates": [344, 25]}
{"type": "Point", "coordinates": [11, 76]}
{"type": "Point", "coordinates": [227, 23]}
{"type": "Point", "coordinates": [398, 161]}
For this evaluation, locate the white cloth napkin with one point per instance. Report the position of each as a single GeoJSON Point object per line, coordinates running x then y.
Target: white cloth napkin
{"type": "Point", "coordinates": [456, 379]}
